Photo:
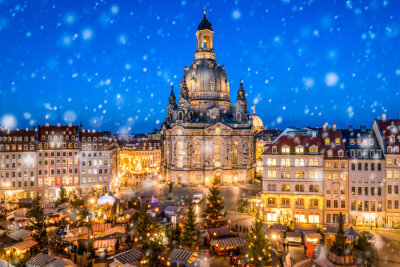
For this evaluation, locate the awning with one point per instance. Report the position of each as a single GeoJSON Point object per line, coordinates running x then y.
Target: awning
{"type": "Point", "coordinates": [101, 227]}
{"type": "Point", "coordinates": [104, 243]}
{"type": "Point", "coordinates": [218, 232]}
{"type": "Point", "coordinates": [116, 229]}
{"type": "Point", "coordinates": [180, 255]}
{"type": "Point", "coordinates": [25, 245]}
{"type": "Point", "coordinates": [79, 231]}
{"type": "Point", "coordinates": [127, 257]}
{"type": "Point", "coordinates": [40, 260]}
{"type": "Point", "coordinates": [20, 234]}
{"type": "Point", "coordinates": [231, 242]}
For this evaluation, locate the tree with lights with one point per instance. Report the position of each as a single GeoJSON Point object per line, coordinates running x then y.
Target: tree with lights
{"type": "Point", "coordinates": [258, 244]}
{"type": "Point", "coordinates": [143, 224]}
{"type": "Point", "coordinates": [213, 215]}
{"type": "Point", "coordinates": [189, 232]}
{"type": "Point", "coordinates": [37, 219]}
{"type": "Point", "coordinates": [62, 196]}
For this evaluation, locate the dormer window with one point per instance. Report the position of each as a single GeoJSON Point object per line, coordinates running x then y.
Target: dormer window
{"type": "Point", "coordinates": [389, 149]}
{"type": "Point", "coordinates": [392, 139]}
{"type": "Point", "coordinates": [274, 149]}
{"type": "Point", "coordinates": [371, 142]}
{"type": "Point", "coordinates": [330, 153]}
{"type": "Point", "coordinates": [327, 141]}
{"type": "Point", "coordinates": [352, 142]}
{"type": "Point", "coordinates": [340, 153]}
{"type": "Point", "coordinates": [313, 150]}
{"type": "Point", "coordinates": [285, 149]}
{"type": "Point", "coordinates": [337, 141]}
{"type": "Point", "coordinates": [299, 150]}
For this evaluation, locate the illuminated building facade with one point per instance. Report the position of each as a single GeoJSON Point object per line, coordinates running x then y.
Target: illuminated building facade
{"type": "Point", "coordinates": [335, 174]}
{"type": "Point", "coordinates": [96, 161]}
{"type": "Point", "coordinates": [17, 164]}
{"type": "Point", "coordinates": [57, 159]}
{"type": "Point", "coordinates": [387, 132]}
{"type": "Point", "coordinates": [263, 137]}
{"type": "Point", "coordinates": [205, 138]}
{"type": "Point", "coordinates": [366, 177]}
{"type": "Point", "coordinates": [292, 183]}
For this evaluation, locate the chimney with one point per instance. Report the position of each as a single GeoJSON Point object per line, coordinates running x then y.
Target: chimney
{"type": "Point", "coordinates": [383, 116]}
{"type": "Point", "coordinates": [324, 126]}
{"type": "Point", "coordinates": [334, 126]}
{"type": "Point", "coordinates": [58, 124]}
{"type": "Point", "coordinates": [47, 124]}
{"type": "Point", "coordinates": [350, 128]}
{"type": "Point", "coordinates": [314, 134]}
{"type": "Point", "coordinates": [69, 124]}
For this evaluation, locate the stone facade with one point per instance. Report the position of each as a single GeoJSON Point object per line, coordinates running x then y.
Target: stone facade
{"type": "Point", "coordinates": [205, 138]}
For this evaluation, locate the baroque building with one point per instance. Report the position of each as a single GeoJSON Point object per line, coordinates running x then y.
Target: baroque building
{"type": "Point", "coordinates": [205, 138]}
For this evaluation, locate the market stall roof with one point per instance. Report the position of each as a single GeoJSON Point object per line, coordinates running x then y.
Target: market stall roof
{"type": "Point", "coordinates": [314, 235]}
{"type": "Point", "coordinates": [40, 260]}
{"type": "Point", "coordinates": [106, 199]}
{"type": "Point", "coordinates": [307, 263]}
{"type": "Point", "coordinates": [116, 229]}
{"type": "Point", "coordinates": [293, 234]}
{"type": "Point", "coordinates": [305, 227]}
{"type": "Point", "coordinates": [218, 232]}
{"type": "Point", "coordinates": [231, 242]}
{"type": "Point", "coordinates": [101, 227]}
{"type": "Point", "coordinates": [180, 255]}
{"type": "Point", "coordinates": [60, 262]}
{"type": "Point", "coordinates": [104, 243]}
{"type": "Point", "coordinates": [20, 234]}
{"type": "Point", "coordinates": [25, 245]}
{"type": "Point", "coordinates": [5, 263]}
{"type": "Point", "coordinates": [47, 205]}
{"type": "Point", "coordinates": [130, 211]}
{"type": "Point", "coordinates": [79, 231]}
{"type": "Point", "coordinates": [277, 226]}
{"type": "Point", "coordinates": [127, 257]}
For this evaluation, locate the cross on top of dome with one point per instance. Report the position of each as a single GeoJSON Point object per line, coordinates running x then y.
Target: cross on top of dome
{"type": "Point", "coordinates": [205, 24]}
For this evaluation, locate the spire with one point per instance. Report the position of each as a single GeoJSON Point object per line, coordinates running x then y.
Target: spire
{"type": "Point", "coordinates": [241, 93]}
{"type": "Point", "coordinates": [172, 98]}
{"type": "Point", "coordinates": [205, 24]}
{"type": "Point", "coordinates": [254, 109]}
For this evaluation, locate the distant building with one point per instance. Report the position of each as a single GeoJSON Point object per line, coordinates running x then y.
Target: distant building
{"type": "Point", "coordinates": [366, 177]}
{"type": "Point", "coordinates": [17, 164]}
{"type": "Point", "coordinates": [263, 137]}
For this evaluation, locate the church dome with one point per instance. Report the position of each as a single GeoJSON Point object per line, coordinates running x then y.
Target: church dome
{"type": "Point", "coordinates": [207, 80]}
{"type": "Point", "coordinates": [257, 121]}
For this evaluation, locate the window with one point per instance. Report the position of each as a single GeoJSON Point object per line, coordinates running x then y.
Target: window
{"type": "Point", "coordinates": [285, 174]}
{"type": "Point", "coordinates": [366, 191]}
{"type": "Point", "coordinates": [366, 167]}
{"type": "Point", "coordinates": [360, 191]}
{"type": "Point", "coordinates": [328, 203]}
{"type": "Point", "coordinates": [389, 189]}
{"type": "Point", "coordinates": [366, 205]}
{"type": "Point", "coordinates": [285, 162]}
{"type": "Point", "coordinates": [285, 188]}
{"type": "Point", "coordinates": [271, 187]}
{"type": "Point", "coordinates": [379, 191]}
{"type": "Point", "coordinates": [299, 162]}
{"type": "Point", "coordinates": [330, 153]}
{"type": "Point", "coordinates": [197, 155]}
{"type": "Point", "coordinates": [353, 205]}
{"type": "Point", "coordinates": [234, 153]}
{"type": "Point", "coordinates": [271, 162]}
{"type": "Point", "coordinates": [327, 141]}
{"type": "Point", "coordinates": [314, 188]}
{"type": "Point", "coordinates": [340, 153]}
{"type": "Point", "coordinates": [396, 189]}
{"type": "Point", "coordinates": [379, 166]}
{"type": "Point", "coordinates": [299, 188]}
{"type": "Point", "coordinates": [180, 154]}
{"type": "Point", "coordinates": [299, 150]}
{"type": "Point", "coordinates": [372, 191]}
{"type": "Point", "coordinates": [359, 205]}
{"type": "Point", "coordinates": [299, 174]}
{"type": "Point", "coordinates": [285, 150]}
{"type": "Point", "coordinates": [271, 174]}
{"type": "Point", "coordinates": [353, 166]}
{"type": "Point", "coordinates": [389, 204]}
{"type": "Point", "coordinates": [342, 204]}
{"type": "Point", "coordinates": [353, 190]}
{"type": "Point", "coordinates": [359, 166]}
{"type": "Point", "coordinates": [372, 205]}
{"type": "Point", "coordinates": [372, 166]}
{"type": "Point", "coordinates": [396, 204]}
{"type": "Point", "coordinates": [337, 141]}
{"type": "Point", "coordinates": [335, 204]}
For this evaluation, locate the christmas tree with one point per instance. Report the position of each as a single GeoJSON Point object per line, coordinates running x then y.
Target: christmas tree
{"type": "Point", "coordinates": [258, 244]}
{"type": "Point", "coordinates": [143, 224]}
{"type": "Point", "coordinates": [189, 232]}
{"type": "Point", "coordinates": [213, 215]}
{"type": "Point", "coordinates": [62, 196]}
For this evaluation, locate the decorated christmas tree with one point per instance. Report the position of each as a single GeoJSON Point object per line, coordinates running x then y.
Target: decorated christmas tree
{"type": "Point", "coordinates": [189, 232]}
{"type": "Point", "coordinates": [213, 215]}
{"type": "Point", "coordinates": [258, 244]}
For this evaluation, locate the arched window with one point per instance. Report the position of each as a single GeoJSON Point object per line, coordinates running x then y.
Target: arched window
{"type": "Point", "coordinates": [299, 202]}
{"type": "Point", "coordinates": [285, 188]}
{"type": "Point", "coordinates": [340, 153]}
{"type": "Point", "coordinates": [206, 42]}
{"type": "Point", "coordinates": [180, 115]}
{"type": "Point", "coordinates": [389, 149]}
{"type": "Point", "coordinates": [238, 116]}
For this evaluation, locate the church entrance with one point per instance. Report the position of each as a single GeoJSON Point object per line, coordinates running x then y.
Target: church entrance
{"type": "Point", "coordinates": [217, 178]}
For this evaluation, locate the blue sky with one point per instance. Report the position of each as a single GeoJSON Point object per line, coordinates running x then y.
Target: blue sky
{"type": "Point", "coordinates": [110, 64]}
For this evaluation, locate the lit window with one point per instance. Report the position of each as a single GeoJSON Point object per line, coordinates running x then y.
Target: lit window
{"type": "Point", "coordinates": [327, 141]}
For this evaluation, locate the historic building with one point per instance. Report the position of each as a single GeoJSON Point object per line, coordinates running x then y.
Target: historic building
{"type": "Point", "coordinates": [205, 138]}
{"type": "Point", "coordinates": [335, 174]}
{"type": "Point", "coordinates": [17, 164]}
{"type": "Point", "coordinates": [387, 132]}
{"type": "Point", "coordinates": [263, 138]}
{"type": "Point", "coordinates": [96, 161]}
{"type": "Point", "coordinates": [57, 159]}
{"type": "Point", "coordinates": [366, 177]}
{"type": "Point", "coordinates": [292, 185]}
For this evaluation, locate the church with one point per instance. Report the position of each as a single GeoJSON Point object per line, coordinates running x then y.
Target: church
{"type": "Point", "coordinates": [205, 137]}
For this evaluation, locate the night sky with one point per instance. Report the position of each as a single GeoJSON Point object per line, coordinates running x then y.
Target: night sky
{"type": "Point", "coordinates": [110, 64]}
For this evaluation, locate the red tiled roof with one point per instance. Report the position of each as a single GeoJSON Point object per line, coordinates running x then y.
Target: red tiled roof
{"type": "Point", "coordinates": [294, 140]}
{"type": "Point", "coordinates": [332, 135]}
{"type": "Point", "coordinates": [389, 128]}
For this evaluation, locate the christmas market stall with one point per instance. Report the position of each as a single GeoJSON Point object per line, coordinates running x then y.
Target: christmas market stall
{"type": "Point", "coordinates": [104, 247]}
{"type": "Point", "coordinates": [215, 233]}
{"type": "Point", "coordinates": [99, 229]}
{"type": "Point", "coordinates": [22, 247]}
{"type": "Point", "coordinates": [126, 259]}
{"type": "Point", "coordinates": [226, 245]}
{"type": "Point", "coordinates": [293, 238]}
{"type": "Point", "coordinates": [182, 257]}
